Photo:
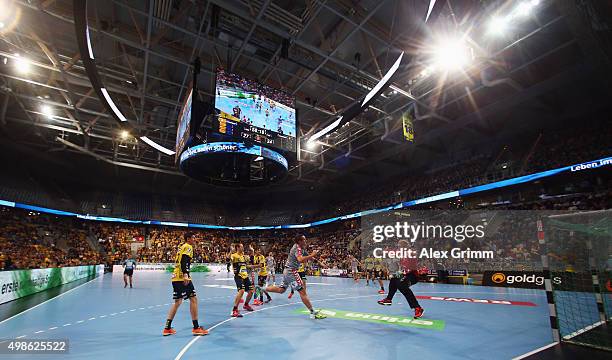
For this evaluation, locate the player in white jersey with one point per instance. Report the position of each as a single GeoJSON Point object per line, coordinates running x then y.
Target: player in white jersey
{"type": "Point", "coordinates": [271, 265]}
{"type": "Point", "coordinates": [293, 279]}
{"type": "Point", "coordinates": [354, 268]}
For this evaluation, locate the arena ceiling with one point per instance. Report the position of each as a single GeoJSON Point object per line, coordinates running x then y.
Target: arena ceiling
{"type": "Point", "coordinates": [336, 52]}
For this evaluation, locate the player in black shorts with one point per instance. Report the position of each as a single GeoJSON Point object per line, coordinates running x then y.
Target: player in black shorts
{"type": "Point", "coordinates": [379, 273]}
{"type": "Point", "coordinates": [403, 274]}
{"type": "Point", "coordinates": [262, 274]}
{"type": "Point", "coordinates": [128, 265]}
{"type": "Point", "coordinates": [241, 276]}
{"type": "Point", "coordinates": [183, 289]}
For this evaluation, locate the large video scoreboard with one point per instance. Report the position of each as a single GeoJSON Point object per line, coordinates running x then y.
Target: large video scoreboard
{"type": "Point", "coordinates": [248, 110]}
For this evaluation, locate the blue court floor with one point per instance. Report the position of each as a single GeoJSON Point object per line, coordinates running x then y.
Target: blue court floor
{"type": "Point", "coordinates": [102, 320]}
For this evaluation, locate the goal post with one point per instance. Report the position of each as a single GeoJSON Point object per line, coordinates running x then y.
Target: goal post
{"type": "Point", "coordinates": [576, 255]}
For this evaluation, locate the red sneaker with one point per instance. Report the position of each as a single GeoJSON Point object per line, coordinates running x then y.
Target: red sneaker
{"type": "Point", "coordinates": [247, 307]}
{"type": "Point", "coordinates": [290, 295]}
{"type": "Point", "coordinates": [199, 331]}
{"type": "Point", "coordinates": [256, 302]}
{"type": "Point", "coordinates": [381, 291]}
{"type": "Point", "coordinates": [236, 313]}
{"type": "Point", "coordinates": [385, 301]}
{"type": "Point", "coordinates": [167, 332]}
{"type": "Point", "coordinates": [418, 312]}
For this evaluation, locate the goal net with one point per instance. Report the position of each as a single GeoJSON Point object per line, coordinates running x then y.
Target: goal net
{"type": "Point", "coordinates": [578, 252]}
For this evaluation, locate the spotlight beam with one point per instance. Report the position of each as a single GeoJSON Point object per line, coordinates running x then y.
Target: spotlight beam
{"type": "Point", "coordinates": [357, 108]}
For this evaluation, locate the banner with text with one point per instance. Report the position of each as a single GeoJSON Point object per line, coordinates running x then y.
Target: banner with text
{"type": "Point", "coordinates": [19, 283]}
{"type": "Point", "coordinates": [334, 272]}
{"type": "Point", "coordinates": [560, 280]}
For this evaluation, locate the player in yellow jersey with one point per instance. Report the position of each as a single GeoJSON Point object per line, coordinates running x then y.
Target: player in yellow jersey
{"type": "Point", "coordinates": [183, 288]}
{"type": "Point", "coordinates": [259, 260]}
{"type": "Point", "coordinates": [379, 274]}
{"type": "Point", "coordinates": [241, 276]}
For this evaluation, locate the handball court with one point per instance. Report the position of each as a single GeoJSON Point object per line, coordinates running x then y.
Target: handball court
{"type": "Point", "coordinates": [103, 320]}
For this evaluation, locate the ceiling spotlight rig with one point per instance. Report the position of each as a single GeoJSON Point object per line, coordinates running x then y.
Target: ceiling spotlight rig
{"type": "Point", "coordinates": [87, 56]}
{"type": "Point", "coordinates": [359, 106]}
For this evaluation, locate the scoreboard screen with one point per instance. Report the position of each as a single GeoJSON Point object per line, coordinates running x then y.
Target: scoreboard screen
{"type": "Point", "coordinates": [248, 110]}
{"type": "Point", "coordinates": [184, 122]}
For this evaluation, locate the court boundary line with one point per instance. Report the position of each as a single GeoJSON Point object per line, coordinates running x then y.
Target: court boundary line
{"type": "Point", "coordinates": [583, 330]}
{"type": "Point", "coordinates": [191, 342]}
{"type": "Point", "coordinates": [535, 351]}
{"type": "Point", "coordinates": [477, 292]}
{"type": "Point", "coordinates": [53, 298]}
{"type": "Point", "coordinates": [122, 312]}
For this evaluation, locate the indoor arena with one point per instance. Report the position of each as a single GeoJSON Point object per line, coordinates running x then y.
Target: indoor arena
{"type": "Point", "coordinates": [305, 179]}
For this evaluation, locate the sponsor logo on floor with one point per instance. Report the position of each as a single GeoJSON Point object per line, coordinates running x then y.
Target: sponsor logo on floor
{"type": "Point", "coordinates": [380, 319]}
{"type": "Point", "coordinates": [477, 301]}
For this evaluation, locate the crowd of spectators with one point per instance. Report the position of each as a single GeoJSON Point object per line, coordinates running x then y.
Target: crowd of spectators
{"type": "Point", "coordinates": [32, 240]}
{"type": "Point", "coordinates": [29, 239]}
{"type": "Point", "coordinates": [210, 246]}
{"type": "Point", "coordinates": [115, 240]}
{"type": "Point", "coordinates": [562, 148]}
{"type": "Point", "coordinates": [233, 81]}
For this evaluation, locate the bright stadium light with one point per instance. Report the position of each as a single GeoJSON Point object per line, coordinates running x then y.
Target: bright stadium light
{"type": "Point", "coordinates": [499, 25]}
{"type": "Point", "coordinates": [311, 145]}
{"type": "Point", "coordinates": [22, 64]}
{"type": "Point", "coordinates": [526, 7]}
{"type": "Point", "coordinates": [427, 71]}
{"type": "Point", "coordinates": [125, 134]}
{"type": "Point", "coordinates": [451, 54]}
{"type": "Point", "coordinates": [47, 111]}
